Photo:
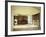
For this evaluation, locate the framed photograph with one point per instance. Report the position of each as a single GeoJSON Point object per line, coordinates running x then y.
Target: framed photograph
{"type": "Point", "coordinates": [24, 18]}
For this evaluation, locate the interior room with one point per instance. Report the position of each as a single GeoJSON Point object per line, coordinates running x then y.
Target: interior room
{"type": "Point", "coordinates": [25, 18]}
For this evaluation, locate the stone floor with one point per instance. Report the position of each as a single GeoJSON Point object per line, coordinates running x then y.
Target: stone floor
{"type": "Point", "coordinates": [25, 27]}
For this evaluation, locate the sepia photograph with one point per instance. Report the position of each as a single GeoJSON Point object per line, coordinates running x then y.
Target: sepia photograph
{"type": "Point", "coordinates": [25, 18]}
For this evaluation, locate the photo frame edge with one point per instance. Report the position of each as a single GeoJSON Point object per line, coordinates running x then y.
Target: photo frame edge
{"type": "Point", "coordinates": [6, 18]}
